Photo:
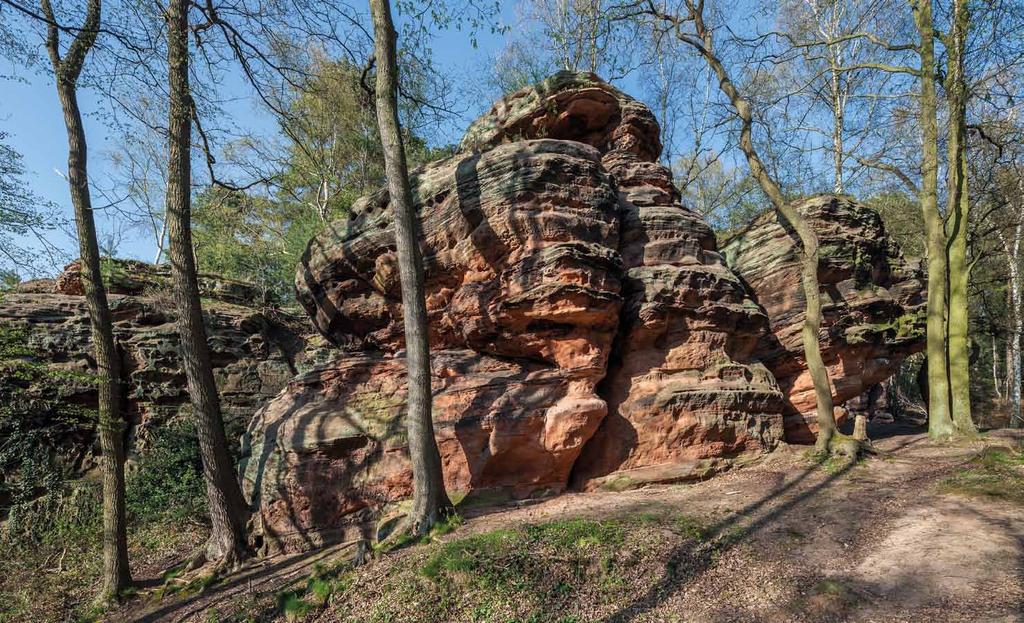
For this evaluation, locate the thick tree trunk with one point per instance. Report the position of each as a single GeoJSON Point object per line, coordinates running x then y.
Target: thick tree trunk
{"type": "Point", "coordinates": [430, 501]}
{"type": "Point", "coordinates": [808, 239]}
{"type": "Point", "coordinates": [116, 573]}
{"type": "Point", "coordinates": [957, 208]}
{"type": "Point", "coordinates": [228, 511]}
{"type": "Point", "coordinates": [940, 424]}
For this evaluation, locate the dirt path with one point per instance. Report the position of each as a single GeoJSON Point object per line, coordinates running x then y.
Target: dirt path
{"type": "Point", "coordinates": [872, 542]}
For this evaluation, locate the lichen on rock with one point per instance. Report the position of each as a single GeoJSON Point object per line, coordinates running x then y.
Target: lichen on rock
{"type": "Point", "coordinates": [873, 302]}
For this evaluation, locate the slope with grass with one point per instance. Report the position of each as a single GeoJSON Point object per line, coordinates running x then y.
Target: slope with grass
{"type": "Point", "coordinates": [918, 532]}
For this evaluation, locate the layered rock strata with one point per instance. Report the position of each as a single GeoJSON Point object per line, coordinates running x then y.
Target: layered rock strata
{"type": "Point", "coordinates": [585, 329]}
{"type": "Point", "coordinates": [552, 242]}
{"type": "Point", "coordinates": [873, 302]}
{"type": "Point", "coordinates": [255, 350]}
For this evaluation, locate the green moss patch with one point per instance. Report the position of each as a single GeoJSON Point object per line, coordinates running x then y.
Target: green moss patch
{"type": "Point", "coordinates": [996, 473]}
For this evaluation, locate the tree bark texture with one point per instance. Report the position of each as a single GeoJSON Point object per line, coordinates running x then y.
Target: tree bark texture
{"type": "Point", "coordinates": [430, 501]}
{"type": "Point", "coordinates": [228, 511]}
{"type": "Point", "coordinates": [116, 573]}
{"type": "Point", "coordinates": [940, 424]}
{"type": "Point", "coordinates": [1012, 249]}
{"type": "Point", "coordinates": [958, 205]}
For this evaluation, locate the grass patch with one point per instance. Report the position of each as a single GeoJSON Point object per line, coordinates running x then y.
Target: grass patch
{"type": "Point", "coordinates": [544, 564]}
{"type": "Point", "coordinates": [560, 571]}
{"type": "Point", "coordinates": [692, 527]}
{"type": "Point", "coordinates": [325, 581]}
{"type": "Point", "coordinates": [997, 472]}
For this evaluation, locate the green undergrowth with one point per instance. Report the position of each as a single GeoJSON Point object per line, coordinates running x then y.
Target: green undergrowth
{"type": "Point", "coordinates": [997, 472]}
{"type": "Point", "coordinates": [326, 580]}
{"type": "Point", "coordinates": [53, 552]}
{"type": "Point", "coordinates": [402, 537]}
{"type": "Point", "coordinates": [569, 570]}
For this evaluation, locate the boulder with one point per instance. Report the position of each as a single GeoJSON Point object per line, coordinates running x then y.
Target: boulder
{"type": "Point", "coordinates": [873, 302]}
{"type": "Point", "coordinates": [586, 331]}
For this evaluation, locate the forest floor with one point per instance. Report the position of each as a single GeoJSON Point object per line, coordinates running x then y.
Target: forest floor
{"type": "Point", "coordinates": [920, 531]}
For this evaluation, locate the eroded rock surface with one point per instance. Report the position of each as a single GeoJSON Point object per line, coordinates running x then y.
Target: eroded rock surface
{"type": "Point", "coordinates": [553, 242]}
{"type": "Point", "coordinates": [519, 256]}
{"type": "Point", "coordinates": [329, 455]}
{"type": "Point", "coordinates": [873, 302]}
{"type": "Point", "coordinates": [255, 350]}
{"type": "Point", "coordinates": [585, 329]}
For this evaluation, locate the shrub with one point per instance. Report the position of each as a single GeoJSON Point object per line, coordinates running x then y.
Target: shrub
{"type": "Point", "coordinates": [167, 483]}
{"type": "Point", "coordinates": [45, 433]}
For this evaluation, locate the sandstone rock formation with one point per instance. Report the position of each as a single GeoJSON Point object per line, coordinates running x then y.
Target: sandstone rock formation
{"type": "Point", "coordinates": [255, 350]}
{"type": "Point", "coordinates": [328, 455]}
{"type": "Point", "coordinates": [552, 242]}
{"type": "Point", "coordinates": [585, 329]}
{"type": "Point", "coordinates": [873, 302]}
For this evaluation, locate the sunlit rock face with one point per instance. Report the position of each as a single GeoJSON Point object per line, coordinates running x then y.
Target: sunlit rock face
{"type": "Point", "coordinates": [575, 307]}
{"type": "Point", "coordinates": [585, 329]}
{"type": "Point", "coordinates": [329, 455]}
{"type": "Point", "coordinates": [519, 247]}
{"type": "Point", "coordinates": [873, 302]}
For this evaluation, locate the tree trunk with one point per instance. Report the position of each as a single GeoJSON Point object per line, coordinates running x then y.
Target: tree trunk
{"type": "Point", "coordinates": [838, 118]}
{"type": "Point", "coordinates": [160, 241]}
{"type": "Point", "coordinates": [958, 206]}
{"type": "Point", "coordinates": [430, 501]}
{"type": "Point", "coordinates": [922, 384]}
{"type": "Point", "coordinates": [786, 212]}
{"type": "Point", "coordinates": [939, 422]}
{"type": "Point", "coordinates": [116, 573]}
{"type": "Point", "coordinates": [860, 427]}
{"type": "Point", "coordinates": [1013, 349]}
{"type": "Point", "coordinates": [1009, 371]}
{"type": "Point", "coordinates": [995, 369]}
{"type": "Point", "coordinates": [228, 510]}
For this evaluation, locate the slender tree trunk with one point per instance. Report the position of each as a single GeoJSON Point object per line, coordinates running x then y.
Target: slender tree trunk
{"type": "Point", "coordinates": [1013, 348]}
{"type": "Point", "coordinates": [838, 118]}
{"type": "Point", "coordinates": [958, 208]}
{"type": "Point", "coordinates": [161, 241]}
{"type": "Point", "coordinates": [837, 149]}
{"type": "Point", "coordinates": [995, 369]}
{"type": "Point", "coordinates": [116, 573]}
{"type": "Point", "coordinates": [940, 424]}
{"type": "Point", "coordinates": [228, 510]}
{"type": "Point", "coordinates": [808, 239]}
{"type": "Point", "coordinates": [430, 501]}
{"type": "Point", "coordinates": [1009, 371]}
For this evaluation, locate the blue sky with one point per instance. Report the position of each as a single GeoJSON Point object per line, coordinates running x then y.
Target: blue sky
{"type": "Point", "coordinates": [30, 114]}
